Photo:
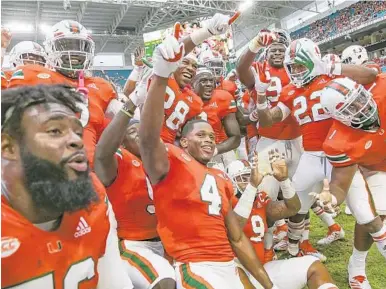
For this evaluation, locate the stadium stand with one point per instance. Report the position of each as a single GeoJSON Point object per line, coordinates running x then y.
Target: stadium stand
{"type": "Point", "coordinates": [345, 19]}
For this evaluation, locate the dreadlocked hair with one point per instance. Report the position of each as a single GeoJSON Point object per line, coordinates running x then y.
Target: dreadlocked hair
{"type": "Point", "coordinates": [16, 100]}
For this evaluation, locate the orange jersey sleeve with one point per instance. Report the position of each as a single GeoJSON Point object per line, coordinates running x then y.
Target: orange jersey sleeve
{"type": "Point", "coordinates": [5, 76]}
{"type": "Point", "coordinates": [101, 90]}
{"type": "Point", "coordinates": [191, 216]}
{"type": "Point", "coordinates": [51, 259]}
{"type": "Point", "coordinates": [304, 105]}
{"type": "Point", "coordinates": [229, 86]}
{"type": "Point", "coordinates": [256, 226]}
{"type": "Point", "coordinates": [131, 197]}
{"type": "Point", "coordinates": [180, 106]}
{"type": "Point", "coordinates": [345, 146]}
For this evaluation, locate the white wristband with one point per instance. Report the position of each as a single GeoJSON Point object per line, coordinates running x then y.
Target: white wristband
{"type": "Point", "coordinates": [337, 69]}
{"type": "Point", "coordinates": [244, 206]}
{"type": "Point", "coordinates": [134, 75]}
{"type": "Point", "coordinates": [287, 189]}
{"type": "Point", "coordinates": [253, 47]}
{"type": "Point", "coordinates": [200, 35]}
{"type": "Point", "coordinates": [262, 106]}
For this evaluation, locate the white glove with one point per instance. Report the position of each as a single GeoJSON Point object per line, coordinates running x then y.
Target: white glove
{"type": "Point", "coordinates": [218, 24]}
{"type": "Point", "coordinates": [262, 79]}
{"type": "Point", "coordinates": [138, 96]}
{"type": "Point", "coordinates": [263, 39]}
{"type": "Point", "coordinates": [167, 57]}
{"type": "Point", "coordinates": [313, 62]}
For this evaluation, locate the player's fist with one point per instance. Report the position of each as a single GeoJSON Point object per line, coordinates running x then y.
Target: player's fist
{"type": "Point", "coordinates": [256, 177]}
{"type": "Point", "coordinates": [138, 96]}
{"type": "Point", "coordinates": [5, 37]}
{"type": "Point", "coordinates": [218, 24]}
{"type": "Point", "coordinates": [278, 165]}
{"type": "Point", "coordinates": [167, 56]}
{"type": "Point", "coordinates": [263, 39]}
{"type": "Point", "coordinates": [325, 199]}
{"type": "Point", "coordinates": [262, 78]}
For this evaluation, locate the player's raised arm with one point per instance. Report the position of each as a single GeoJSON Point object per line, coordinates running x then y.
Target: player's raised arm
{"type": "Point", "coordinates": [359, 73]}
{"type": "Point", "coordinates": [290, 205]}
{"type": "Point", "coordinates": [167, 57]}
{"type": "Point", "coordinates": [216, 25]}
{"type": "Point", "coordinates": [105, 163]}
{"type": "Point", "coordinates": [244, 69]}
{"type": "Point", "coordinates": [232, 130]}
{"type": "Point", "coordinates": [244, 250]}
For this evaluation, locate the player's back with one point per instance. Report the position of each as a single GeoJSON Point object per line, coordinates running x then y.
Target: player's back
{"type": "Point", "coordinates": [219, 106]}
{"type": "Point", "coordinates": [180, 106]}
{"type": "Point", "coordinates": [131, 197]}
{"type": "Point", "coordinates": [346, 146]}
{"type": "Point", "coordinates": [101, 90]}
{"type": "Point", "coordinates": [191, 204]}
{"type": "Point", "coordinates": [304, 105]}
{"type": "Point", "coordinates": [256, 226]}
{"type": "Point", "coordinates": [284, 130]}
{"type": "Point", "coordinates": [64, 258]}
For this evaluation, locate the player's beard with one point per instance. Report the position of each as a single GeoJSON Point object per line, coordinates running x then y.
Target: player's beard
{"type": "Point", "coordinates": [50, 187]}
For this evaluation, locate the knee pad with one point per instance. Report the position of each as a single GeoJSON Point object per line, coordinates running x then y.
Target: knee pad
{"type": "Point", "coordinates": [295, 230]}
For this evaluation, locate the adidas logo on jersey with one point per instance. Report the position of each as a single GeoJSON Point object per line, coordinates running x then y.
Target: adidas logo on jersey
{"type": "Point", "coordinates": [214, 104]}
{"type": "Point", "coordinates": [82, 229]}
{"type": "Point", "coordinates": [190, 98]}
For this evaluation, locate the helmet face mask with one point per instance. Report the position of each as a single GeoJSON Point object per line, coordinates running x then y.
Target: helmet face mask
{"type": "Point", "coordinates": [351, 104]}
{"type": "Point", "coordinates": [216, 66]}
{"type": "Point", "coordinates": [70, 48]}
{"type": "Point", "coordinates": [299, 61]}
{"type": "Point", "coordinates": [239, 172]}
{"type": "Point", "coordinates": [27, 52]}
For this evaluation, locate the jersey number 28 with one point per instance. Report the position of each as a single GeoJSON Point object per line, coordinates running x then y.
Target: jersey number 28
{"type": "Point", "coordinates": [177, 118]}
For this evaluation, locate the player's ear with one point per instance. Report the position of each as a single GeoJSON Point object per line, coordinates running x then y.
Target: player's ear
{"type": "Point", "coordinates": [184, 142]}
{"type": "Point", "coordinates": [9, 147]}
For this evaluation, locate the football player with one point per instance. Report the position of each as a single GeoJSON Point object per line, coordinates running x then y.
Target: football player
{"type": "Point", "coordinates": [220, 111]}
{"type": "Point", "coordinates": [357, 140]}
{"type": "Point", "coordinates": [309, 271]}
{"type": "Point", "coordinates": [119, 167]}
{"type": "Point", "coordinates": [27, 52]}
{"type": "Point", "coordinates": [308, 75]}
{"type": "Point", "coordinates": [356, 54]}
{"type": "Point", "coordinates": [70, 51]}
{"type": "Point", "coordinates": [55, 217]}
{"type": "Point", "coordinates": [196, 222]}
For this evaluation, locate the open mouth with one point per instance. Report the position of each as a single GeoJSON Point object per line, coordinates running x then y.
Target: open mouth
{"type": "Point", "coordinates": [207, 149]}
{"type": "Point", "coordinates": [187, 75]}
{"type": "Point", "coordinates": [78, 163]}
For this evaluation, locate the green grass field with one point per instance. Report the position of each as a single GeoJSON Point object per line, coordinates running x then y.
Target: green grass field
{"type": "Point", "coordinates": [339, 252]}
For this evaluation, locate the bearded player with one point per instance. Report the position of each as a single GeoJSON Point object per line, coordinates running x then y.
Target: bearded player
{"type": "Point", "coordinates": [196, 222]}
{"type": "Point", "coordinates": [355, 146]}
{"type": "Point", "coordinates": [309, 271]}
{"type": "Point", "coordinates": [70, 51]}
{"type": "Point", "coordinates": [220, 111]}
{"type": "Point", "coordinates": [119, 167]}
{"type": "Point", "coordinates": [55, 217]}
{"type": "Point", "coordinates": [308, 75]}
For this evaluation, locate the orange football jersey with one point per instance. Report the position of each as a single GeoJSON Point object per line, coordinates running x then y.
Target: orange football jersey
{"type": "Point", "coordinates": [219, 106]}
{"type": "Point", "coordinates": [284, 130]}
{"type": "Point", "coordinates": [180, 106]}
{"type": "Point", "coordinates": [345, 146]}
{"type": "Point", "coordinates": [64, 258]}
{"type": "Point", "coordinates": [304, 105]}
{"type": "Point", "coordinates": [131, 197]}
{"type": "Point", "coordinates": [191, 204]}
{"type": "Point", "coordinates": [92, 116]}
{"type": "Point", "coordinates": [229, 86]}
{"type": "Point", "coordinates": [256, 226]}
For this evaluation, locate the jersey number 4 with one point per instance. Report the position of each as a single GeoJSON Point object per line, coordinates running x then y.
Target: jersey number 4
{"type": "Point", "coordinates": [317, 111]}
{"type": "Point", "coordinates": [209, 194]}
{"type": "Point", "coordinates": [78, 272]}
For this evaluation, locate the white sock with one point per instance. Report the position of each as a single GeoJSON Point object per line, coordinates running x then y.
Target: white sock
{"type": "Point", "coordinates": [325, 217]}
{"type": "Point", "coordinates": [306, 232]}
{"type": "Point", "coordinates": [380, 240]}
{"type": "Point", "coordinates": [328, 286]}
{"type": "Point", "coordinates": [357, 263]}
{"type": "Point", "coordinates": [293, 249]}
